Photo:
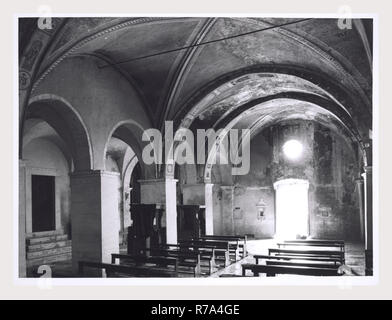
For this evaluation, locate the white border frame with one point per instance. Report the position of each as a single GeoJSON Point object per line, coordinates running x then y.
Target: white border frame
{"type": "Point", "coordinates": [341, 282]}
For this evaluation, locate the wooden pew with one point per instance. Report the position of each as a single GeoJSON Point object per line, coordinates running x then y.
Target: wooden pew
{"type": "Point", "coordinates": [116, 270]}
{"type": "Point", "coordinates": [335, 260]}
{"type": "Point", "coordinates": [160, 261]}
{"type": "Point", "coordinates": [221, 249]}
{"type": "Point", "coordinates": [271, 271]}
{"type": "Point", "coordinates": [139, 260]}
{"type": "Point", "coordinates": [240, 242]}
{"type": "Point", "coordinates": [336, 244]}
{"type": "Point", "coordinates": [188, 252]}
{"type": "Point", "coordinates": [232, 245]}
{"type": "Point", "coordinates": [321, 241]}
{"type": "Point", "coordinates": [308, 253]}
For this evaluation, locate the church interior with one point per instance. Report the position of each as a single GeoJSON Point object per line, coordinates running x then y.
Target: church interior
{"type": "Point", "coordinates": [91, 206]}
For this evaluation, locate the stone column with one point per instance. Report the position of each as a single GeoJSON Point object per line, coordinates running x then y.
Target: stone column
{"type": "Point", "coordinates": [361, 208]}
{"type": "Point", "coordinates": [209, 203]}
{"type": "Point", "coordinates": [95, 217]}
{"type": "Point", "coordinates": [22, 220]}
{"type": "Point", "coordinates": [227, 210]}
{"type": "Point", "coordinates": [368, 188]}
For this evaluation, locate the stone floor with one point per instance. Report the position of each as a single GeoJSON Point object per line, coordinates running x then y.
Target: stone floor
{"type": "Point", "coordinates": [354, 254]}
{"type": "Point", "coordinates": [355, 259]}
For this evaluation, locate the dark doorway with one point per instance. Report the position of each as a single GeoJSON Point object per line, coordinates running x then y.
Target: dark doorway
{"type": "Point", "coordinates": [43, 203]}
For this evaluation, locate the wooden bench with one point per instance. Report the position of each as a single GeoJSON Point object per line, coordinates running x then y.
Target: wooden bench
{"type": "Point", "coordinates": [271, 271]}
{"type": "Point", "coordinates": [335, 260]}
{"type": "Point", "coordinates": [221, 249]}
{"type": "Point", "coordinates": [301, 264]}
{"type": "Point", "coordinates": [308, 253]}
{"type": "Point", "coordinates": [163, 260]}
{"type": "Point", "coordinates": [116, 270]}
{"type": "Point", "coordinates": [240, 240]}
{"type": "Point", "coordinates": [313, 243]}
{"type": "Point", "coordinates": [232, 245]}
{"type": "Point", "coordinates": [321, 241]}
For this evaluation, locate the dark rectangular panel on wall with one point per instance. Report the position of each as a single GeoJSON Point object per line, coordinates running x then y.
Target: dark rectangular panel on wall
{"type": "Point", "coordinates": [43, 203]}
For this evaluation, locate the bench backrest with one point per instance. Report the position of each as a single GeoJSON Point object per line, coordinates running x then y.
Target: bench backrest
{"type": "Point", "coordinates": [206, 244]}
{"type": "Point", "coordinates": [282, 257]}
{"type": "Point", "coordinates": [301, 264]}
{"type": "Point", "coordinates": [315, 241]}
{"type": "Point", "coordinates": [143, 259]}
{"type": "Point", "coordinates": [174, 253]}
{"type": "Point", "coordinates": [308, 253]}
{"type": "Point", "coordinates": [125, 269]}
{"type": "Point", "coordinates": [273, 270]}
{"type": "Point", "coordinates": [340, 246]}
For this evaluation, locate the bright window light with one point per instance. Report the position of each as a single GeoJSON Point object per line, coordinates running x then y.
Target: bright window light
{"type": "Point", "coordinates": [291, 208]}
{"type": "Point", "coordinates": [292, 149]}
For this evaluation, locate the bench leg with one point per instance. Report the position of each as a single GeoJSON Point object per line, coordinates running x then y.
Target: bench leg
{"type": "Point", "coordinates": [197, 270]}
{"type": "Point", "coordinates": [237, 255]}
{"type": "Point", "coordinates": [227, 258]}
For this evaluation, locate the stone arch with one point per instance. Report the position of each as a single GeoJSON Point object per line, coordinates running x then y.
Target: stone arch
{"type": "Point", "coordinates": [67, 122]}
{"type": "Point", "coordinates": [309, 86]}
{"type": "Point", "coordinates": [130, 132]}
{"type": "Point", "coordinates": [271, 116]}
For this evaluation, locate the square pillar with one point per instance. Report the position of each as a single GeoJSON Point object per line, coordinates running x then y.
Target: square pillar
{"type": "Point", "coordinates": [163, 192]}
{"type": "Point", "coordinates": [209, 202]}
{"type": "Point", "coordinates": [368, 206]}
{"type": "Point", "coordinates": [95, 217]}
{"type": "Point", "coordinates": [171, 210]}
{"type": "Point", "coordinates": [361, 208]}
{"type": "Point", "coordinates": [22, 220]}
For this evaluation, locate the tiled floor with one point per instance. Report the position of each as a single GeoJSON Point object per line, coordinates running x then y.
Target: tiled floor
{"type": "Point", "coordinates": [354, 254]}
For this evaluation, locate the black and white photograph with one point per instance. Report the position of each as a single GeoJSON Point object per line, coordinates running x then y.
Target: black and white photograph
{"type": "Point", "coordinates": [230, 147]}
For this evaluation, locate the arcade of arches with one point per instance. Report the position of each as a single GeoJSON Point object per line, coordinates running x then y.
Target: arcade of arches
{"type": "Point", "coordinates": [90, 87]}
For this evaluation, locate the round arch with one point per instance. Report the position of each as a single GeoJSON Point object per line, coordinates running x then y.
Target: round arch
{"type": "Point", "coordinates": [291, 83]}
{"type": "Point", "coordinates": [66, 121]}
{"type": "Point", "coordinates": [128, 131]}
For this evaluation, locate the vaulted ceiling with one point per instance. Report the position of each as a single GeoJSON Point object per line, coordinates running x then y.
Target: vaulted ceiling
{"type": "Point", "coordinates": [170, 80]}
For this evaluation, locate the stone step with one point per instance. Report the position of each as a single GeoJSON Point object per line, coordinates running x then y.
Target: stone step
{"type": "Point", "coordinates": [49, 259]}
{"type": "Point", "coordinates": [48, 245]}
{"type": "Point", "coordinates": [45, 233]}
{"type": "Point", "coordinates": [48, 252]}
{"type": "Point", "coordinates": [47, 239]}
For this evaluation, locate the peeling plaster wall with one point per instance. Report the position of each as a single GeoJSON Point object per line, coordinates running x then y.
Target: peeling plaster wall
{"type": "Point", "coordinates": [102, 97]}
{"type": "Point", "coordinates": [328, 163]}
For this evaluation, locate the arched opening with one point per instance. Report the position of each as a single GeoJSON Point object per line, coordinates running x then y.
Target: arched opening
{"type": "Point", "coordinates": [54, 144]}
{"type": "Point", "coordinates": [292, 209]}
